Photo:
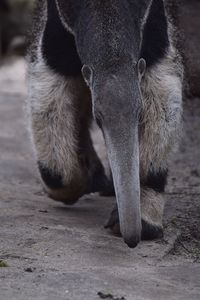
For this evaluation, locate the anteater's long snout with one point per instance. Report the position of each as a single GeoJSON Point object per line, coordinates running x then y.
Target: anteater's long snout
{"type": "Point", "coordinates": [116, 107]}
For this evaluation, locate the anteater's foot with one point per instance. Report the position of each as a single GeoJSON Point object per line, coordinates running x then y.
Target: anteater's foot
{"type": "Point", "coordinates": [149, 231]}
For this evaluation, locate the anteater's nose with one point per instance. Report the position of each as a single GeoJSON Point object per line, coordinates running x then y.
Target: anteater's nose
{"type": "Point", "coordinates": [132, 242]}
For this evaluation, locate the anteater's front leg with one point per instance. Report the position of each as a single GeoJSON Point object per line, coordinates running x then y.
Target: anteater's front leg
{"type": "Point", "coordinates": [60, 115]}
{"type": "Point", "coordinates": [54, 132]}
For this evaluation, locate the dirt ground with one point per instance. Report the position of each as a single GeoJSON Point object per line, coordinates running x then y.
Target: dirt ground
{"type": "Point", "coordinates": [51, 251]}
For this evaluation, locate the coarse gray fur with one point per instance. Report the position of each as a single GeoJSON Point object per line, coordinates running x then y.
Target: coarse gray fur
{"type": "Point", "coordinates": [138, 110]}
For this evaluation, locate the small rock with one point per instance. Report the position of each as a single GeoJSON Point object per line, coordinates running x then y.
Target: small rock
{"type": "Point", "coordinates": [109, 296]}
{"type": "Point", "coordinates": [29, 270]}
{"type": "Point", "coordinates": [44, 228]}
{"type": "Point", "coordinates": [43, 211]}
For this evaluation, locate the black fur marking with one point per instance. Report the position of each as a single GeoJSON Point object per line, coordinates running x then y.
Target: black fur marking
{"type": "Point", "coordinates": [108, 190]}
{"type": "Point", "coordinates": [99, 180]}
{"type": "Point", "coordinates": [100, 183]}
{"type": "Point", "coordinates": [151, 232]}
{"type": "Point", "coordinates": [59, 49]}
{"type": "Point", "coordinates": [157, 180]}
{"type": "Point", "coordinates": [155, 38]}
{"type": "Point", "coordinates": [53, 181]}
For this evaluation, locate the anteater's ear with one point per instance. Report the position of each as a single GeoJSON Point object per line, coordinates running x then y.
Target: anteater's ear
{"type": "Point", "coordinates": [87, 74]}
{"type": "Point", "coordinates": [141, 65]}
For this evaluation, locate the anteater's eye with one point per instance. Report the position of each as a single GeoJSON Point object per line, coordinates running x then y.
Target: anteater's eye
{"type": "Point", "coordinates": [87, 73]}
{"type": "Point", "coordinates": [141, 66]}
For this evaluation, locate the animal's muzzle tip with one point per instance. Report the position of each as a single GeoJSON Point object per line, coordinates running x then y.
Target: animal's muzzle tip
{"type": "Point", "coordinates": [132, 243]}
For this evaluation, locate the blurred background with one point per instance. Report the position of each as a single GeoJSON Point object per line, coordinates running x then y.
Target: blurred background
{"type": "Point", "coordinates": [15, 20]}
